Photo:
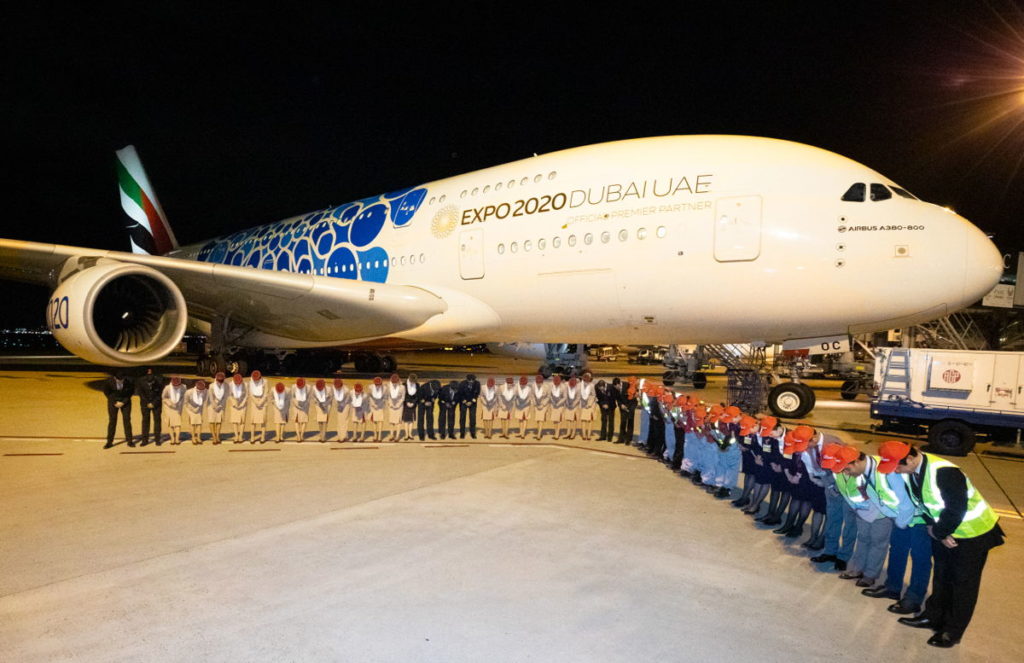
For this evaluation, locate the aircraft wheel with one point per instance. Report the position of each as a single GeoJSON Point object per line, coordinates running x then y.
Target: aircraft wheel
{"type": "Point", "coordinates": [791, 400]}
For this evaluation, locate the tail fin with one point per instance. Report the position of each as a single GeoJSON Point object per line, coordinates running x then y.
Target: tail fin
{"type": "Point", "coordinates": [147, 227]}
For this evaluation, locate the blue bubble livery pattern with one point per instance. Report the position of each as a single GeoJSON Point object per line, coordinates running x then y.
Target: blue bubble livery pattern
{"type": "Point", "coordinates": [332, 242]}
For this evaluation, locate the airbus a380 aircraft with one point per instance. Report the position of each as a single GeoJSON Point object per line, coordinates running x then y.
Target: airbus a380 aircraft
{"type": "Point", "coordinates": [678, 239]}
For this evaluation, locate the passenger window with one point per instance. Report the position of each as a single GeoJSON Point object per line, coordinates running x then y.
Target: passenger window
{"type": "Point", "coordinates": [855, 194]}
{"type": "Point", "coordinates": [541, 244]}
{"type": "Point", "coordinates": [572, 240]}
{"type": "Point", "coordinates": [556, 242]}
{"type": "Point", "coordinates": [880, 192]}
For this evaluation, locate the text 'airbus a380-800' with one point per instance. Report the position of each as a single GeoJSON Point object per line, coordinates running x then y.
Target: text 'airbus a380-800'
{"type": "Point", "coordinates": [678, 239]}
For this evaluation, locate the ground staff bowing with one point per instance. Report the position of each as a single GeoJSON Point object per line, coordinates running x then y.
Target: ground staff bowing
{"type": "Point", "coordinates": [469, 391]}
{"type": "Point", "coordinates": [447, 400]}
{"type": "Point", "coordinates": [150, 389]}
{"type": "Point", "coordinates": [606, 404]}
{"type": "Point", "coordinates": [963, 529]}
{"type": "Point", "coordinates": [118, 390]}
{"type": "Point", "coordinates": [425, 409]}
{"type": "Point", "coordinates": [627, 411]}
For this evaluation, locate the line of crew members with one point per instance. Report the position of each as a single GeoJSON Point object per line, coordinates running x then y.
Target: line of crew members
{"type": "Point", "coordinates": [864, 508]}
{"type": "Point", "coordinates": [401, 408]}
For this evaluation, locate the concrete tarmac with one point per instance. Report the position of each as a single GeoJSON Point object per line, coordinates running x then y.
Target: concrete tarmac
{"type": "Point", "coordinates": [486, 549]}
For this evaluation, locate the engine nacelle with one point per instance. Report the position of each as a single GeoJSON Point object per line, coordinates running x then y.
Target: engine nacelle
{"type": "Point", "coordinates": [117, 314]}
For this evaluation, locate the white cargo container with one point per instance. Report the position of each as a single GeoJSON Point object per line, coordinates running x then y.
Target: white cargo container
{"type": "Point", "coordinates": [955, 394]}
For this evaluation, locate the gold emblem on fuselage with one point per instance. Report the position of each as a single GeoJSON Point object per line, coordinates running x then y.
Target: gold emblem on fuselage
{"type": "Point", "coordinates": [444, 221]}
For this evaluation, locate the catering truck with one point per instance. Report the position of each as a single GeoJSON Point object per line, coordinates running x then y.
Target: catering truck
{"type": "Point", "coordinates": [955, 394]}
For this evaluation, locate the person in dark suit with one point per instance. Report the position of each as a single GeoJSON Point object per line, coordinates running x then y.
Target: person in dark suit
{"type": "Point", "coordinates": [627, 410]}
{"type": "Point", "coordinates": [469, 391]}
{"type": "Point", "coordinates": [426, 395]}
{"type": "Point", "coordinates": [149, 389]}
{"type": "Point", "coordinates": [118, 389]}
{"type": "Point", "coordinates": [446, 401]}
{"type": "Point", "coordinates": [607, 403]}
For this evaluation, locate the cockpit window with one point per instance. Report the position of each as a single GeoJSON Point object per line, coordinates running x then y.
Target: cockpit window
{"type": "Point", "coordinates": [855, 194]}
{"type": "Point", "coordinates": [880, 192]}
{"type": "Point", "coordinates": [902, 192]}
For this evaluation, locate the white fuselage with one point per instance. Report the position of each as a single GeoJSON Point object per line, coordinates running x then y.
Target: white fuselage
{"type": "Point", "coordinates": [689, 239]}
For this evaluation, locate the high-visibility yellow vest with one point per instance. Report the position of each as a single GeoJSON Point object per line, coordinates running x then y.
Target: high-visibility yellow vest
{"type": "Point", "coordinates": [979, 517]}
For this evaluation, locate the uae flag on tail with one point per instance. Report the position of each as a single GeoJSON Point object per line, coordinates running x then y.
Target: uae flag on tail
{"type": "Point", "coordinates": [148, 229]}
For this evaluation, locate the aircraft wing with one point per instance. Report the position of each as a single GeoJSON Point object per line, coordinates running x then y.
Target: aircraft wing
{"type": "Point", "coordinates": [304, 307]}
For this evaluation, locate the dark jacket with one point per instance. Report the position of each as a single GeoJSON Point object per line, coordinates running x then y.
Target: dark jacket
{"type": "Point", "coordinates": [448, 395]}
{"type": "Point", "coordinates": [469, 390]}
{"type": "Point", "coordinates": [427, 393]}
{"type": "Point", "coordinates": [150, 388]}
{"type": "Point", "coordinates": [113, 394]}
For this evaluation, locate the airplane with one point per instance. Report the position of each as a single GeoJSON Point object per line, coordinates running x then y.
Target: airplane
{"type": "Point", "coordinates": [664, 240]}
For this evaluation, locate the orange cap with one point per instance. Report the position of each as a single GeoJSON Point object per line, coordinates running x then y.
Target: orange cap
{"type": "Point", "coordinates": [768, 424]}
{"type": "Point", "coordinates": [829, 453]}
{"type": "Point", "coordinates": [845, 456]}
{"type": "Point", "coordinates": [892, 452]}
{"type": "Point", "coordinates": [747, 424]}
{"type": "Point", "coordinates": [788, 443]}
{"type": "Point", "coordinates": [803, 434]}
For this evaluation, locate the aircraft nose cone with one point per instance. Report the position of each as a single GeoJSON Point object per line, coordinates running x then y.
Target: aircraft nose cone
{"type": "Point", "coordinates": [984, 265]}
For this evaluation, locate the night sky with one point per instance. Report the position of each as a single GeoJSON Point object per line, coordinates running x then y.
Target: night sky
{"type": "Point", "coordinates": [243, 118]}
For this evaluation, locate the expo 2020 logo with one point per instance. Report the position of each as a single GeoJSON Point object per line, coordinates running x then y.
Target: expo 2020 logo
{"type": "Point", "coordinates": [951, 376]}
{"type": "Point", "coordinates": [444, 221]}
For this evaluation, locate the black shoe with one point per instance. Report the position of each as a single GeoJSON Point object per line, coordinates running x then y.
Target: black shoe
{"type": "Point", "coordinates": [903, 608]}
{"type": "Point", "coordinates": [943, 640]}
{"type": "Point", "coordinates": [881, 592]}
{"type": "Point", "coordinates": [130, 443]}
{"type": "Point", "coordinates": [794, 532]}
{"type": "Point", "coordinates": [782, 529]}
{"type": "Point", "coordinates": [723, 493]}
{"type": "Point", "coordinates": [810, 545]}
{"type": "Point", "coordinates": [108, 445]}
{"type": "Point", "coordinates": [696, 478]}
{"type": "Point", "coordinates": [821, 559]}
{"type": "Point", "coordinates": [918, 622]}
{"type": "Point", "coordinates": [840, 565]}
{"type": "Point", "coordinates": [740, 502]}
{"type": "Point", "coordinates": [685, 474]}
{"type": "Point", "coordinates": [771, 520]}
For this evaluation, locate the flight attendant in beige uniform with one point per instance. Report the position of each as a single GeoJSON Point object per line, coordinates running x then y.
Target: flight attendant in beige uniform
{"type": "Point", "coordinates": [341, 396]}
{"type": "Point", "coordinates": [173, 398]}
{"type": "Point", "coordinates": [238, 404]}
{"type": "Point", "coordinates": [487, 403]}
{"type": "Point", "coordinates": [359, 406]}
{"type": "Point", "coordinates": [378, 407]}
{"type": "Point", "coordinates": [506, 404]}
{"type": "Point", "coordinates": [195, 405]}
{"type": "Point", "coordinates": [572, 406]}
{"type": "Point", "coordinates": [556, 400]}
{"type": "Point", "coordinates": [321, 407]}
{"type": "Point", "coordinates": [216, 403]}
{"type": "Point", "coordinates": [300, 408]}
{"type": "Point", "coordinates": [395, 400]}
{"type": "Point", "coordinates": [522, 404]}
{"type": "Point", "coordinates": [279, 410]}
{"type": "Point", "coordinates": [258, 398]}
{"type": "Point", "coordinates": [588, 398]}
{"type": "Point", "coordinates": [541, 403]}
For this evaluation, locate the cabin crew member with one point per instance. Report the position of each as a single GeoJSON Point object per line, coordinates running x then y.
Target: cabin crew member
{"type": "Point", "coordinates": [627, 411]}
{"type": "Point", "coordinates": [556, 404]}
{"type": "Point", "coordinates": [729, 457]}
{"type": "Point", "coordinates": [572, 406]}
{"type": "Point", "coordinates": [341, 397]}
{"type": "Point", "coordinates": [796, 472]}
{"type": "Point", "coordinates": [909, 537]}
{"type": "Point", "coordinates": [506, 404]}
{"type": "Point", "coordinates": [195, 405]}
{"type": "Point", "coordinates": [395, 401]}
{"type": "Point", "coordinates": [173, 398]}
{"type": "Point", "coordinates": [359, 411]}
{"type": "Point", "coordinates": [963, 528]}
{"type": "Point", "coordinates": [239, 403]}
{"type": "Point", "coordinates": [412, 387]}
{"type": "Point", "coordinates": [300, 408]}
{"type": "Point", "coordinates": [588, 399]}
{"type": "Point", "coordinates": [812, 490]}
{"type": "Point", "coordinates": [216, 403]}
{"type": "Point", "coordinates": [778, 501]}
{"type": "Point", "coordinates": [746, 439]}
{"type": "Point", "coordinates": [522, 402]}
{"type": "Point", "coordinates": [469, 391]}
{"type": "Point", "coordinates": [321, 407]}
{"type": "Point", "coordinates": [760, 446]}
{"type": "Point", "coordinates": [378, 407]}
{"type": "Point", "coordinates": [425, 409]}
{"type": "Point", "coordinates": [606, 404]}
{"type": "Point", "coordinates": [118, 390]}
{"type": "Point", "coordinates": [258, 398]}
{"type": "Point", "coordinates": [488, 407]}
{"type": "Point", "coordinates": [857, 483]}
{"type": "Point", "coordinates": [447, 401]}
{"type": "Point", "coordinates": [840, 518]}
{"type": "Point", "coordinates": [279, 413]}
{"type": "Point", "coordinates": [150, 390]}
{"type": "Point", "coordinates": [541, 403]}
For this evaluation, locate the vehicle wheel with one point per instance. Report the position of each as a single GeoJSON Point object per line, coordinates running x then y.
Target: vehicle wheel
{"type": "Point", "coordinates": [362, 363]}
{"type": "Point", "coordinates": [700, 380]}
{"type": "Point", "coordinates": [849, 390]}
{"type": "Point", "coordinates": [951, 437]}
{"type": "Point", "coordinates": [669, 378]}
{"type": "Point", "coordinates": [389, 364]}
{"type": "Point", "coordinates": [545, 370]}
{"type": "Point", "coordinates": [790, 400]}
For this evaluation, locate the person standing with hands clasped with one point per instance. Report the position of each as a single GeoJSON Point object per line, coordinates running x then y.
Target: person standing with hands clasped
{"type": "Point", "coordinates": [118, 390]}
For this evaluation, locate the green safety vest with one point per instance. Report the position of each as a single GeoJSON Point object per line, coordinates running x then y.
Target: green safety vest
{"type": "Point", "coordinates": [849, 488]}
{"type": "Point", "coordinates": [887, 497]}
{"type": "Point", "coordinates": [979, 517]}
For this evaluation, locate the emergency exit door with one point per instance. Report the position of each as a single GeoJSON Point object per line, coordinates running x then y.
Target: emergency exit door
{"type": "Point", "coordinates": [737, 228]}
{"type": "Point", "coordinates": [471, 254]}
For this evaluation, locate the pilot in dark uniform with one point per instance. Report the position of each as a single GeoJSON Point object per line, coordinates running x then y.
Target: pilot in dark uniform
{"type": "Point", "coordinates": [446, 400]}
{"type": "Point", "coordinates": [627, 409]}
{"type": "Point", "coordinates": [118, 390]}
{"type": "Point", "coordinates": [150, 389]}
{"type": "Point", "coordinates": [607, 404]}
{"type": "Point", "coordinates": [469, 391]}
{"type": "Point", "coordinates": [426, 395]}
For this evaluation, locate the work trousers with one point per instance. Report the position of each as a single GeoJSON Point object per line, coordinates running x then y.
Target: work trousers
{"type": "Point", "coordinates": [840, 525]}
{"type": "Point", "coordinates": [677, 455]}
{"type": "Point", "coordinates": [126, 417]}
{"type": "Point", "coordinates": [691, 452]}
{"type": "Point", "coordinates": [425, 420]}
{"type": "Point", "coordinates": [656, 437]}
{"type": "Point", "coordinates": [147, 413]}
{"type": "Point", "coordinates": [446, 421]}
{"type": "Point", "coordinates": [645, 423]}
{"type": "Point", "coordinates": [912, 541]}
{"type": "Point", "coordinates": [670, 441]}
{"type": "Point", "coordinates": [607, 423]}
{"type": "Point", "coordinates": [956, 580]}
{"type": "Point", "coordinates": [469, 410]}
{"type": "Point", "coordinates": [727, 466]}
{"type": "Point", "coordinates": [872, 544]}
{"type": "Point", "coordinates": [626, 425]}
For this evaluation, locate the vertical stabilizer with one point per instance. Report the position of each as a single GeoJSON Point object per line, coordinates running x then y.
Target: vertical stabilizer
{"type": "Point", "coordinates": [147, 225]}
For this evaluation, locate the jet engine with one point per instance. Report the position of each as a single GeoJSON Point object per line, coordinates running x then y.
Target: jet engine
{"type": "Point", "coordinates": [117, 314]}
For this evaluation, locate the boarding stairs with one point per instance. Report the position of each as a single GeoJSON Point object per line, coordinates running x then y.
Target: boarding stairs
{"type": "Point", "coordinates": [957, 331]}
